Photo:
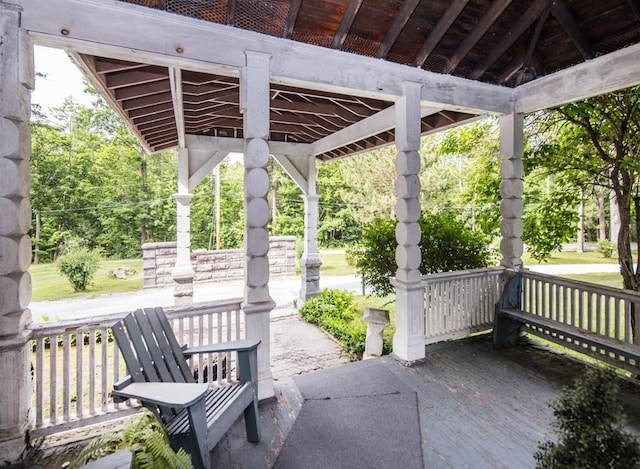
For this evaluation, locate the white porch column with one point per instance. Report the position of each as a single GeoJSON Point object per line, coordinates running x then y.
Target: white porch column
{"type": "Point", "coordinates": [511, 189]}
{"type": "Point", "coordinates": [407, 341]}
{"type": "Point", "coordinates": [254, 89]}
{"type": "Point", "coordinates": [16, 82]}
{"type": "Point", "coordinates": [310, 262]}
{"type": "Point", "coordinates": [183, 273]}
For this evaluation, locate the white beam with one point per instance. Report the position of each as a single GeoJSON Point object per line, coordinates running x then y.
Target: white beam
{"type": "Point", "coordinates": [299, 172]}
{"type": "Point", "coordinates": [175, 80]}
{"type": "Point", "coordinates": [372, 125]}
{"type": "Point", "coordinates": [201, 163]}
{"type": "Point", "coordinates": [236, 145]}
{"type": "Point", "coordinates": [604, 74]}
{"type": "Point", "coordinates": [104, 27]}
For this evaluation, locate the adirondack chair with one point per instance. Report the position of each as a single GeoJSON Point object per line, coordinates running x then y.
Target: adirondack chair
{"type": "Point", "coordinates": [196, 415]}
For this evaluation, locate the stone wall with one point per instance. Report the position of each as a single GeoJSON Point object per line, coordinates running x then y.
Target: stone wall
{"type": "Point", "coordinates": [158, 260]}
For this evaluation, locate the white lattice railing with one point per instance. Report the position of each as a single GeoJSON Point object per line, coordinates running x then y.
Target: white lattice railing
{"type": "Point", "coordinates": [460, 303]}
{"type": "Point", "coordinates": [73, 378]}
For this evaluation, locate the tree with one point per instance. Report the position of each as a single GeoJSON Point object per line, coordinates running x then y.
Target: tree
{"type": "Point", "coordinates": [589, 420]}
{"type": "Point", "coordinates": [604, 132]}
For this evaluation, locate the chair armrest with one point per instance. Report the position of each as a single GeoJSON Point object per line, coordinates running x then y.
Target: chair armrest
{"type": "Point", "coordinates": [245, 345]}
{"type": "Point", "coordinates": [177, 395]}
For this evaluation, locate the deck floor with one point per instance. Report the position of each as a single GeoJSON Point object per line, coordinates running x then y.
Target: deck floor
{"type": "Point", "coordinates": [477, 407]}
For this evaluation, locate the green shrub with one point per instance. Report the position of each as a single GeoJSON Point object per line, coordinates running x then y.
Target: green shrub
{"type": "Point", "coordinates": [446, 245]}
{"type": "Point", "coordinates": [79, 266]}
{"type": "Point", "coordinates": [335, 311]}
{"type": "Point", "coordinates": [589, 421]}
{"type": "Point", "coordinates": [606, 248]}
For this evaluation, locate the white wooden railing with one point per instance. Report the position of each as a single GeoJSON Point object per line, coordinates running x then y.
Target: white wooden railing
{"type": "Point", "coordinates": [604, 311]}
{"type": "Point", "coordinates": [460, 303]}
{"type": "Point", "coordinates": [73, 378]}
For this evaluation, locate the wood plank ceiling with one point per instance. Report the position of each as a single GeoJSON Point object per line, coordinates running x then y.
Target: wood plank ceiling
{"type": "Point", "coordinates": [503, 42]}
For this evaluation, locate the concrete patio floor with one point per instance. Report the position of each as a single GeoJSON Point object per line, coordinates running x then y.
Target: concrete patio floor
{"type": "Point", "coordinates": [476, 408]}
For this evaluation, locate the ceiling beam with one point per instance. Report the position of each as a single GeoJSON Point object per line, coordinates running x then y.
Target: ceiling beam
{"type": "Point", "coordinates": [87, 70]}
{"type": "Point", "coordinates": [634, 9]}
{"type": "Point", "coordinates": [515, 32]}
{"type": "Point", "coordinates": [346, 23]}
{"type": "Point", "coordinates": [292, 16]}
{"type": "Point", "coordinates": [373, 125]}
{"type": "Point", "coordinates": [175, 77]}
{"type": "Point", "coordinates": [569, 24]}
{"type": "Point", "coordinates": [236, 145]}
{"type": "Point", "coordinates": [439, 31]}
{"type": "Point", "coordinates": [102, 27]}
{"type": "Point", "coordinates": [604, 74]}
{"type": "Point", "coordinates": [407, 9]}
{"type": "Point", "coordinates": [493, 13]}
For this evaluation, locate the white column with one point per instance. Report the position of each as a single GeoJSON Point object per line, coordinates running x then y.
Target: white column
{"type": "Point", "coordinates": [310, 262]}
{"type": "Point", "coordinates": [511, 171]}
{"type": "Point", "coordinates": [16, 82]}
{"type": "Point", "coordinates": [183, 273]}
{"type": "Point", "coordinates": [408, 342]}
{"type": "Point", "coordinates": [254, 89]}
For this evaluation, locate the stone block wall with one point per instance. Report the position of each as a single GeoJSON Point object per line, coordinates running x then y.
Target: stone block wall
{"type": "Point", "coordinates": [158, 260]}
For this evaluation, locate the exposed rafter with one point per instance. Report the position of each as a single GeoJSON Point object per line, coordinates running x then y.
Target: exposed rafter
{"type": "Point", "coordinates": [396, 28]}
{"type": "Point", "coordinates": [518, 29]}
{"type": "Point", "coordinates": [439, 31]}
{"type": "Point", "coordinates": [345, 24]}
{"type": "Point", "coordinates": [569, 24]}
{"type": "Point", "coordinates": [294, 9]}
{"type": "Point", "coordinates": [490, 17]}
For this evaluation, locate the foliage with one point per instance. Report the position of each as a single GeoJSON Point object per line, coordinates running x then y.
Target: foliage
{"type": "Point", "coordinates": [79, 266]}
{"type": "Point", "coordinates": [607, 248]}
{"type": "Point", "coordinates": [147, 439]}
{"type": "Point", "coordinates": [335, 311]}
{"type": "Point", "coordinates": [549, 223]}
{"type": "Point", "coordinates": [589, 420]}
{"type": "Point", "coordinates": [446, 245]}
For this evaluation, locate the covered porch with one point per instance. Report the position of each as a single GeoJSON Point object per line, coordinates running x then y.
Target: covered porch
{"type": "Point", "coordinates": [210, 79]}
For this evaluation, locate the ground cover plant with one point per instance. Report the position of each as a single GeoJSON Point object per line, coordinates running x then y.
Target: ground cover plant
{"type": "Point", "coordinates": [336, 312]}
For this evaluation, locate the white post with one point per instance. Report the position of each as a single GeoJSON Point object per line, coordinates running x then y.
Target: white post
{"type": "Point", "coordinates": [254, 89]}
{"type": "Point", "coordinates": [511, 171]}
{"type": "Point", "coordinates": [16, 82]}
{"type": "Point", "coordinates": [183, 273]}
{"type": "Point", "coordinates": [310, 262]}
{"type": "Point", "coordinates": [408, 341]}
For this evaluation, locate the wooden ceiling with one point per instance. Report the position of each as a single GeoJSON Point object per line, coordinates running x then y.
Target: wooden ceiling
{"type": "Point", "coordinates": [500, 42]}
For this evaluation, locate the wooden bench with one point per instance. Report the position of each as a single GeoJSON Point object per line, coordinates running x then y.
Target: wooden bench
{"type": "Point", "coordinates": [509, 320]}
{"type": "Point", "coordinates": [196, 415]}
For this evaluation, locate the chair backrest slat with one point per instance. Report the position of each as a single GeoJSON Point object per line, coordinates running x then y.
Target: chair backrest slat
{"type": "Point", "coordinates": [136, 339]}
{"type": "Point", "coordinates": [179, 366]}
{"type": "Point", "coordinates": [153, 344]}
{"type": "Point", "coordinates": [134, 367]}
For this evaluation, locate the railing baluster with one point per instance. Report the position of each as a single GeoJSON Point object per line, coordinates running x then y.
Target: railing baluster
{"type": "Point", "coordinates": [79, 374]}
{"type": "Point", "coordinates": [53, 387]}
{"type": "Point", "coordinates": [92, 367]}
{"type": "Point", "coordinates": [39, 375]}
{"type": "Point", "coordinates": [66, 376]}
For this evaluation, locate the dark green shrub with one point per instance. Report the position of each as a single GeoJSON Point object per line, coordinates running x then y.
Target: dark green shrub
{"type": "Point", "coordinates": [79, 267]}
{"type": "Point", "coordinates": [335, 311]}
{"type": "Point", "coordinates": [446, 245]}
{"type": "Point", "coordinates": [589, 421]}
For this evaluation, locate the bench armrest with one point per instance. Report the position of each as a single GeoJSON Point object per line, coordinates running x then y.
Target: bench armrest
{"type": "Point", "coordinates": [177, 395]}
{"type": "Point", "coordinates": [245, 345]}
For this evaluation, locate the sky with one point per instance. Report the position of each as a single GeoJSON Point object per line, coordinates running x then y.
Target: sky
{"type": "Point", "coordinates": [63, 79]}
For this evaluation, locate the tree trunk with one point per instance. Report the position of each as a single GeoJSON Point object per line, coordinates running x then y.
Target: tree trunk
{"type": "Point", "coordinates": [602, 216]}
{"type": "Point", "coordinates": [580, 243]}
{"type": "Point", "coordinates": [614, 217]}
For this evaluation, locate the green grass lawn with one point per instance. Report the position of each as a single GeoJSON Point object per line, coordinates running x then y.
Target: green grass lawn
{"type": "Point", "coordinates": [572, 257]}
{"type": "Point", "coordinates": [49, 284]}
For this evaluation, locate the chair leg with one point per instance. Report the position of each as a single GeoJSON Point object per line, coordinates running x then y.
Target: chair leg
{"type": "Point", "coordinates": [251, 417]}
{"type": "Point", "coordinates": [198, 421]}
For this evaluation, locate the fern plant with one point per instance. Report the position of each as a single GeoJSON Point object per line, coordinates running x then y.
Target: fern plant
{"type": "Point", "coordinates": [145, 437]}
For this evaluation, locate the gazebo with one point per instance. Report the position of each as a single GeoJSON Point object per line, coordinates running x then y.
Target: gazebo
{"type": "Point", "coordinates": [306, 82]}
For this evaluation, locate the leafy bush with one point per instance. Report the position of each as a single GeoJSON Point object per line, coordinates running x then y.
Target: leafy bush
{"type": "Point", "coordinates": [446, 245]}
{"type": "Point", "coordinates": [147, 439]}
{"type": "Point", "coordinates": [589, 425]}
{"type": "Point", "coordinates": [79, 266]}
{"type": "Point", "coordinates": [607, 248]}
{"type": "Point", "coordinates": [335, 311]}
